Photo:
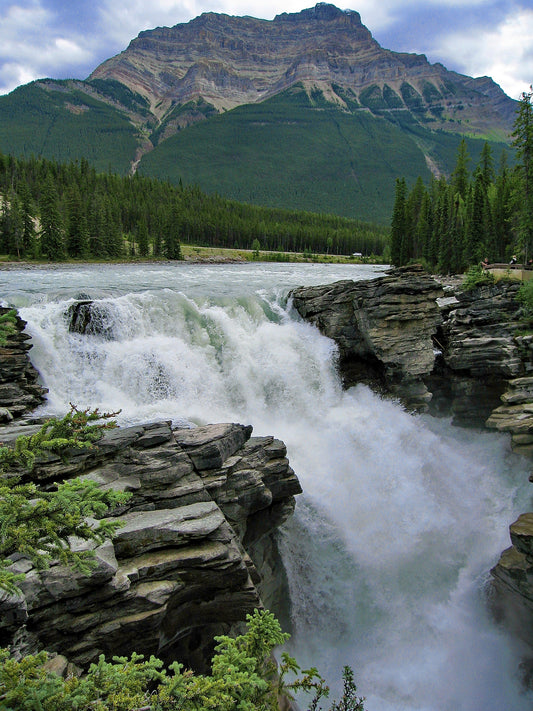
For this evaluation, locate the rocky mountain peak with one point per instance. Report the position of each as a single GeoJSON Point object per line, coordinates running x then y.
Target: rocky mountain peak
{"type": "Point", "coordinates": [227, 61]}
{"type": "Point", "coordinates": [322, 11]}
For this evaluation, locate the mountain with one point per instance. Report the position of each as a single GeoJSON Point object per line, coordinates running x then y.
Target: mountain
{"type": "Point", "coordinates": [306, 110]}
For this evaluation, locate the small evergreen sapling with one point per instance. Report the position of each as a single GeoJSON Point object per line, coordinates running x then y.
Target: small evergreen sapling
{"type": "Point", "coordinates": [38, 524]}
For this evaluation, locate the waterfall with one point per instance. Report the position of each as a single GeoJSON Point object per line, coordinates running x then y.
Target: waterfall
{"type": "Point", "coordinates": [402, 516]}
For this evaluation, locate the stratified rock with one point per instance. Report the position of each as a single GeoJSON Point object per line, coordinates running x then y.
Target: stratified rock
{"type": "Point", "coordinates": [203, 506]}
{"type": "Point", "coordinates": [20, 391]}
{"type": "Point", "coordinates": [512, 581]}
{"type": "Point", "coordinates": [383, 328]}
{"type": "Point", "coordinates": [516, 414]}
{"type": "Point", "coordinates": [479, 334]}
{"type": "Point", "coordinates": [228, 61]}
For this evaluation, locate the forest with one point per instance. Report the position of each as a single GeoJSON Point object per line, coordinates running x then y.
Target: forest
{"type": "Point", "coordinates": [484, 213]}
{"type": "Point", "coordinates": [53, 212]}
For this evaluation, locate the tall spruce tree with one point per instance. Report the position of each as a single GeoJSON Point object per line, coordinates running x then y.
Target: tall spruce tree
{"type": "Point", "coordinates": [399, 224]}
{"type": "Point", "coordinates": [77, 231]}
{"type": "Point", "coordinates": [523, 143]}
{"type": "Point", "coordinates": [52, 243]}
{"type": "Point", "coordinates": [460, 175]}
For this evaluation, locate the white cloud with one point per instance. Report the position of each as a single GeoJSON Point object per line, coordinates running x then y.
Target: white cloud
{"type": "Point", "coordinates": [384, 14]}
{"type": "Point", "coordinates": [47, 38]}
{"type": "Point", "coordinates": [121, 22]}
{"type": "Point", "coordinates": [504, 53]}
{"type": "Point", "coordinates": [32, 47]}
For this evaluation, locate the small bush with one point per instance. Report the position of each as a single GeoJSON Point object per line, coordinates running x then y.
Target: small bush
{"type": "Point", "coordinates": [476, 276]}
{"type": "Point", "coordinates": [525, 297]}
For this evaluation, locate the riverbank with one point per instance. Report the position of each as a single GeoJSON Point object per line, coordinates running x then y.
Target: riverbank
{"type": "Point", "coordinates": [193, 254]}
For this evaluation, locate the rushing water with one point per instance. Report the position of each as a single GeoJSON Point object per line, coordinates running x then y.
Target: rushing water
{"type": "Point", "coordinates": [402, 516]}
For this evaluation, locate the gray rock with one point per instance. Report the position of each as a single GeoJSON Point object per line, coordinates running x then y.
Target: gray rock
{"type": "Point", "coordinates": [383, 328]}
{"type": "Point", "coordinates": [176, 573]}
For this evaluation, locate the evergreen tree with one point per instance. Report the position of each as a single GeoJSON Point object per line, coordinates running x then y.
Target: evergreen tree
{"type": "Point", "coordinates": [52, 243]}
{"type": "Point", "coordinates": [486, 165]}
{"type": "Point", "coordinates": [142, 238]}
{"type": "Point", "coordinates": [171, 241]}
{"type": "Point", "coordinates": [460, 175]}
{"type": "Point", "coordinates": [476, 229]}
{"type": "Point", "coordinates": [398, 224]}
{"type": "Point", "coordinates": [97, 228]}
{"type": "Point", "coordinates": [26, 219]}
{"type": "Point", "coordinates": [77, 231]}
{"type": "Point", "coordinates": [523, 143]}
{"type": "Point", "coordinates": [501, 213]}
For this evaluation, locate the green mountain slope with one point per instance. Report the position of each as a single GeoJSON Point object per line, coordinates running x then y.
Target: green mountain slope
{"type": "Point", "coordinates": [57, 120]}
{"type": "Point", "coordinates": [299, 151]}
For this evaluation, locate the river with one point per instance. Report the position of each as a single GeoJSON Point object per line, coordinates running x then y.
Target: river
{"type": "Point", "coordinates": [402, 516]}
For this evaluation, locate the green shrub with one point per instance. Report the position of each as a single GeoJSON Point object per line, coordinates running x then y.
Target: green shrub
{"type": "Point", "coordinates": [525, 297]}
{"type": "Point", "coordinates": [476, 276]}
{"type": "Point", "coordinates": [244, 677]}
{"type": "Point", "coordinates": [37, 523]}
{"type": "Point", "coordinates": [8, 326]}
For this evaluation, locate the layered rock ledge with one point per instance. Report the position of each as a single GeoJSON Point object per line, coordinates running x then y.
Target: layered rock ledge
{"type": "Point", "coordinates": [204, 505]}
{"type": "Point", "coordinates": [20, 391]}
{"type": "Point", "coordinates": [383, 328]}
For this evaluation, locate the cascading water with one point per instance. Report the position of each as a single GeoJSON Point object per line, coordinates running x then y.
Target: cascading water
{"type": "Point", "coordinates": [402, 516]}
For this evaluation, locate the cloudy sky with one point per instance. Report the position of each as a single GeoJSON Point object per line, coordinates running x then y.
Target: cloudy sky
{"type": "Point", "coordinates": [69, 38]}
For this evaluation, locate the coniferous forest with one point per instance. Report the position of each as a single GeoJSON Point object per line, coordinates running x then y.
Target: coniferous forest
{"type": "Point", "coordinates": [484, 212]}
{"type": "Point", "coordinates": [57, 211]}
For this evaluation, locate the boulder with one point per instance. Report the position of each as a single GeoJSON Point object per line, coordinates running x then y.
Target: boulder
{"type": "Point", "coordinates": [89, 318]}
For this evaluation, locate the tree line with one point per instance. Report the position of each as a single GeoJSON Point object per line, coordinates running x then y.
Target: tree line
{"type": "Point", "coordinates": [55, 211]}
{"type": "Point", "coordinates": [487, 212]}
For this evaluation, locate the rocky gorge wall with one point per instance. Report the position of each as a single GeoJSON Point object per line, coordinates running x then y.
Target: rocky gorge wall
{"type": "Point", "coordinates": [196, 552]}
{"type": "Point", "coordinates": [204, 507]}
{"type": "Point", "coordinates": [442, 349]}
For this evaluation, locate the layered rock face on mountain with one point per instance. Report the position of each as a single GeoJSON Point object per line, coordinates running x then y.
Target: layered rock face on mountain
{"type": "Point", "coordinates": [228, 61]}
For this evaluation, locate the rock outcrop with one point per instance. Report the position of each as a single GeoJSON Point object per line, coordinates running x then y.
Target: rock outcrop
{"type": "Point", "coordinates": [512, 576]}
{"type": "Point", "coordinates": [20, 391]}
{"type": "Point", "coordinates": [204, 503]}
{"type": "Point", "coordinates": [383, 328]}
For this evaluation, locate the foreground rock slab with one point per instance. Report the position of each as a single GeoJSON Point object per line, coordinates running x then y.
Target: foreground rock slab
{"type": "Point", "coordinates": [205, 503]}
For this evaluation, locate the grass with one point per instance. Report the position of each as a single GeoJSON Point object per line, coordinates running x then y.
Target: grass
{"type": "Point", "coordinates": [193, 253]}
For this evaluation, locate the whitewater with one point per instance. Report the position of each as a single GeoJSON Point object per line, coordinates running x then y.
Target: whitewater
{"type": "Point", "coordinates": [402, 516]}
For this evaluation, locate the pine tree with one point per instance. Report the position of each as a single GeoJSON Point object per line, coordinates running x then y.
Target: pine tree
{"type": "Point", "coordinates": [171, 241]}
{"type": "Point", "coordinates": [142, 238]}
{"type": "Point", "coordinates": [460, 175]}
{"type": "Point", "coordinates": [52, 243]}
{"type": "Point", "coordinates": [486, 165]}
{"type": "Point", "coordinates": [398, 224]}
{"type": "Point", "coordinates": [27, 223]}
{"type": "Point", "coordinates": [77, 231]}
{"type": "Point", "coordinates": [523, 143]}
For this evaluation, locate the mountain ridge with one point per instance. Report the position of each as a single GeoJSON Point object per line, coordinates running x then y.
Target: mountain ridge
{"type": "Point", "coordinates": [305, 110]}
{"type": "Point", "coordinates": [229, 61]}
